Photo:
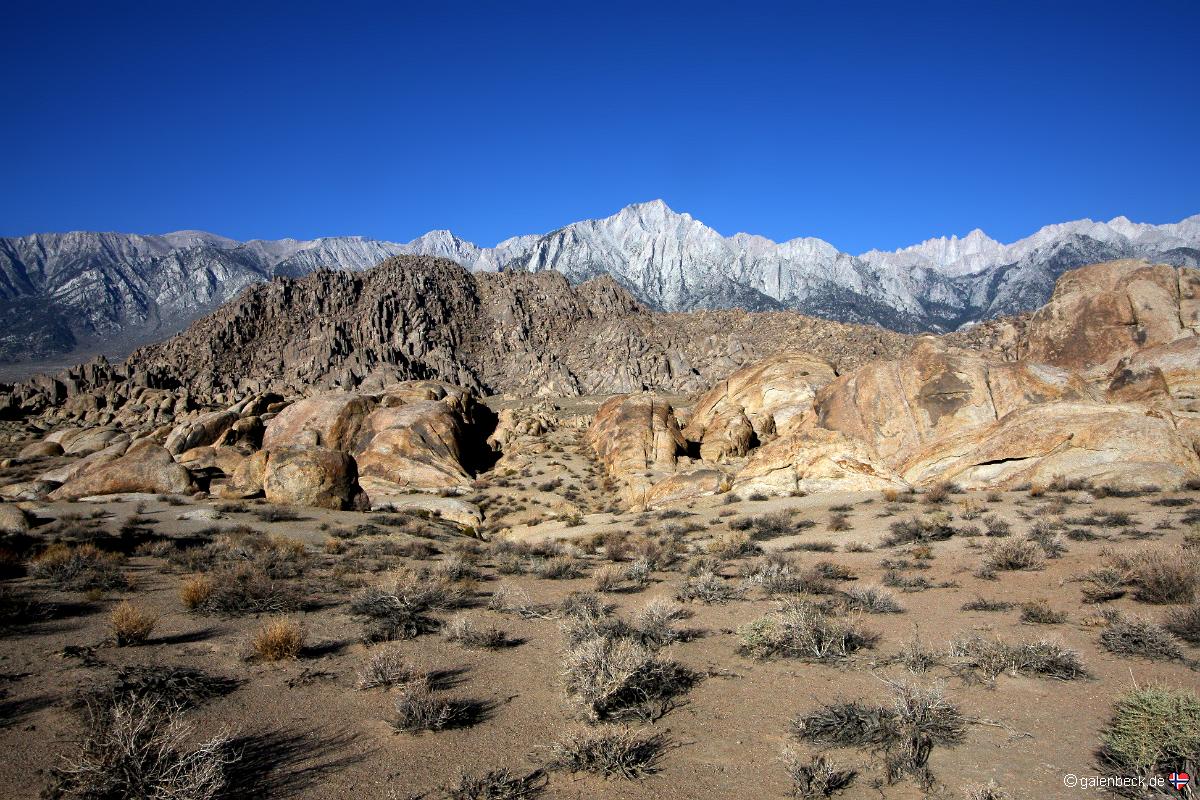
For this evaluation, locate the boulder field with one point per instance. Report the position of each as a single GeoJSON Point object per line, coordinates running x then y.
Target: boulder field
{"type": "Point", "coordinates": [1102, 384]}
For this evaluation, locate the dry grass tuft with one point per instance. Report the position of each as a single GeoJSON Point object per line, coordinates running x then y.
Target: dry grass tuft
{"type": "Point", "coordinates": [130, 624]}
{"type": "Point", "coordinates": [610, 752]}
{"type": "Point", "coordinates": [279, 640]}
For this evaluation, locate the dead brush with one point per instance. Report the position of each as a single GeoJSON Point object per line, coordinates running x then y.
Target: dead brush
{"type": "Point", "coordinates": [1103, 584]}
{"type": "Point", "coordinates": [462, 630]}
{"type": "Point", "coordinates": [243, 589]}
{"type": "Point", "coordinates": [733, 545]}
{"type": "Point", "coordinates": [82, 568]}
{"type": "Point", "coordinates": [609, 752]}
{"type": "Point", "coordinates": [708, 588]}
{"type": "Point", "coordinates": [131, 625]}
{"type": "Point", "coordinates": [388, 668]}
{"type": "Point", "coordinates": [872, 600]}
{"type": "Point", "coordinates": [616, 678]}
{"type": "Point", "coordinates": [1134, 636]}
{"type": "Point", "coordinates": [905, 733]}
{"type": "Point", "coordinates": [815, 777]}
{"type": "Point", "coordinates": [419, 709]}
{"type": "Point", "coordinates": [803, 630]}
{"type": "Point", "coordinates": [1012, 555]}
{"type": "Point", "coordinates": [1158, 575]}
{"type": "Point", "coordinates": [1185, 623]}
{"type": "Point", "coordinates": [974, 654]}
{"type": "Point", "coordinates": [499, 784]}
{"type": "Point", "coordinates": [654, 624]}
{"type": "Point", "coordinates": [1039, 612]}
{"type": "Point", "coordinates": [142, 748]}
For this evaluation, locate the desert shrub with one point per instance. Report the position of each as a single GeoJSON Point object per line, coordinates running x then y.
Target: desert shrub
{"type": "Point", "coordinates": [1154, 730]}
{"type": "Point", "coordinates": [141, 748]}
{"type": "Point", "coordinates": [980, 604]}
{"type": "Point", "coordinates": [733, 545]}
{"type": "Point", "coordinates": [803, 630]}
{"type": "Point", "coordinates": [1185, 623]}
{"type": "Point", "coordinates": [1039, 612]}
{"type": "Point", "coordinates": [243, 589]}
{"type": "Point", "coordinates": [510, 599]}
{"type": "Point", "coordinates": [660, 552]}
{"type": "Point", "coordinates": [905, 733]}
{"type": "Point", "coordinates": [388, 668]}
{"type": "Point", "coordinates": [1134, 636]}
{"type": "Point", "coordinates": [991, 657]}
{"type": "Point", "coordinates": [131, 625]}
{"type": "Point", "coordinates": [873, 600]}
{"type": "Point", "coordinates": [390, 615]}
{"type": "Point", "coordinates": [619, 678]}
{"type": "Point", "coordinates": [610, 752]}
{"type": "Point", "coordinates": [985, 791]}
{"type": "Point", "coordinates": [81, 568]}
{"type": "Point", "coordinates": [857, 547]}
{"type": "Point", "coordinates": [996, 527]}
{"type": "Point", "coordinates": [1046, 537]}
{"type": "Point", "coordinates": [559, 568]}
{"type": "Point", "coordinates": [499, 784]}
{"type": "Point", "coordinates": [1159, 575]}
{"type": "Point", "coordinates": [653, 625]}
{"type": "Point", "coordinates": [279, 640]}
{"type": "Point", "coordinates": [915, 656]}
{"type": "Point", "coordinates": [464, 631]}
{"type": "Point", "coordinates": [938, 493]}
{"type": "Point", "coordinates": [456, 568]}
{"type": "Point", "coordinates": [933, 527]}
{"type": "Point", "coordinates": [618, 578]}
{"type": "Point", "coordinates": [833, 572]}
{"type": "Point", "coordinates": [1013, 555]}
{"type": "Point", "coordinates": [815, 777]}
{"type": "Point", "coordinates": [839, 522]}
{"type": "Point", "coordinates": [906, 583]}
{"type": "Point", "coordinates": [814, 547]}
{"type": "Point", "coordinates": [419, 709]}
{"type": "Point", "coordinates": [195, 591]}
{"type": "Point", "coordinates": [1103, 584]}
{"type": "Point", "coordinates": [708, 587]}
{"type": "Point", "coordinates": [276, 514]}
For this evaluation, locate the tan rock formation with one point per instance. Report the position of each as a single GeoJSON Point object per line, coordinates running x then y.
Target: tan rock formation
{"type": "Point", "coordinates": [144, 467]}
{"type": "Point", "coordinates": [313, 476]}
{"type": "Point", "coordinates": [1120, 445]}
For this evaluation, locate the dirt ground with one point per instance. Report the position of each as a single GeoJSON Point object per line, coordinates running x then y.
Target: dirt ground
{"type": "Point", "coordinates": [308, 732]}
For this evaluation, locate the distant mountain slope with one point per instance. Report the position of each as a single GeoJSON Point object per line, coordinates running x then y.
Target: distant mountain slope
{"type": "Point", "coordinates": [73, 292]}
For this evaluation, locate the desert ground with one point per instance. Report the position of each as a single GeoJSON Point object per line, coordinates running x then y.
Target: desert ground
{"type": "Point", "coordinates": [910, 593]}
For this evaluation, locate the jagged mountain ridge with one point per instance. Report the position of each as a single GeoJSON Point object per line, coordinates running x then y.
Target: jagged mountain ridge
{"type": "Point", "coordinates": [65, 291]}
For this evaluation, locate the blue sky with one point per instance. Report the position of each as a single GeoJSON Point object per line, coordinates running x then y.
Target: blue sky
{"type": "Point", "coordinates": [868, 125]}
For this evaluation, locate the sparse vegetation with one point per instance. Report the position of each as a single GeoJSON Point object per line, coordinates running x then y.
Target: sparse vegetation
{"type": "Point", "coordinates": [1154, 730]}
{"type": "Point", "coordinates": [992, 657]}
{"type": "Point", "coordinates": [816, 777]}
{"type": "Point", "coordinates": [803, 630]}
{"type": "Point", "coordinates": [279, 640]}
{"type": "Point", "coordinates": [1134, 636]}
{"type": "Point", "coordinates": [131, 625]}
{"type": "Point", "coordinates": [610, 752]}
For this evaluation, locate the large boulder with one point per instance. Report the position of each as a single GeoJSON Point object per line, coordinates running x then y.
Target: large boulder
{"type": "Point", "coordinates": [83, 466]}
{"type": "Point", "coordinates": [755, 402]}
{"type": "Point", "coordinates": [897, 407]}
{"type": "Point", "coordinates": [418, 445]}
{"type": "Point", "coordinates": [247, 478]}
{"type": "Point", "coordinates": [1167, 375]}
{"type": "Point", "coordinates": [636, 433]}
{"type": "Point", "coordinates": [313, 476]}
{"type": "Point", "coordinates": [92, 440]}
{"type": "Point", "coordinates": [13, 519]}
{"type": "Point", "coordinates": [204, 430]}
{"type": "Point", "coordinates": [1127, 446]}
{"type": "Point", "coordinates": [144, 467]}
{"type": "Point", "coordinates": [1100, 313]}
{"type": "Point", "coordinates": [42, 449]}
{"type": "Point", "coordinates": [332, 419]}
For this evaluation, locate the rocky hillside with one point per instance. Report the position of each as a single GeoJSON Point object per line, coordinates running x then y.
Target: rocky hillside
{"type": "Point", "coordinates": [109, 292]}
{"type": "Point", "coordinates": [419, 317]}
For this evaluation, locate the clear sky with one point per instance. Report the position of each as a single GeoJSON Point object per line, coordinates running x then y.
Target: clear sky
{"type": "Point", "coordinates": [868, 125]}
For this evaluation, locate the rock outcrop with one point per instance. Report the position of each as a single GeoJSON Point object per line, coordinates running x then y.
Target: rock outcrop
{"type": "Point", "coordinates": [144, 467]}
{"type": "Point", "coordinates": [1099, 314]}
{"type": "Point", "coordinates": [310, 475]}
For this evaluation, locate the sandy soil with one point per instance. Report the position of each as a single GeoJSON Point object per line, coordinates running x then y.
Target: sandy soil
{"type": "Point", "coordinates": [310, 733]}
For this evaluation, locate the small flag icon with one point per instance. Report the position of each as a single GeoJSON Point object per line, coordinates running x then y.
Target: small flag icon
{"type": "Point", "coordinates": [1179, 780]}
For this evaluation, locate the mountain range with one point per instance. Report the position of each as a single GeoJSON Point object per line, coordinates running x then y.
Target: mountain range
{"type": "Point", "coordinates": [66, 294]}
